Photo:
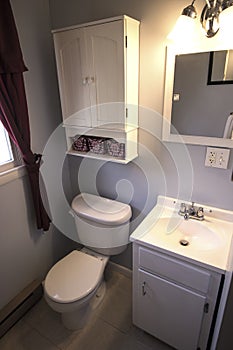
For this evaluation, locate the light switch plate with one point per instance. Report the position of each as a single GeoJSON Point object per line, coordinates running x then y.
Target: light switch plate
{"type": "Point", "coordinates": [217, 157]}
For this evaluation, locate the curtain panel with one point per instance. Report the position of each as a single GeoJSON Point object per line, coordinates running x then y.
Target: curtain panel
{"type": "Point", "coordinates": [13, 105]}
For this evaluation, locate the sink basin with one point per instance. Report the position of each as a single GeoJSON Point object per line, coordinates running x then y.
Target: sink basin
{"type": "Point", "coordinates": [207, 242]}
{"type": "Point", "coordinates": [187, 233]}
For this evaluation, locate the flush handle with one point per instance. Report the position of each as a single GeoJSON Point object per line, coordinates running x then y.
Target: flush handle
{"type": "Point", "coordinates": [143, 288]}
{"type": "Point", "coordinates": [71, 213]}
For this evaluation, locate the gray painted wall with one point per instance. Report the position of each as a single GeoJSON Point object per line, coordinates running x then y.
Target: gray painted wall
{"type": "Point", "coordinates": [25, 252]}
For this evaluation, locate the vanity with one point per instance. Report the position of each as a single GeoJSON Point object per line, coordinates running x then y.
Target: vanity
{"type": "Point", "coordinates": [181, 274]}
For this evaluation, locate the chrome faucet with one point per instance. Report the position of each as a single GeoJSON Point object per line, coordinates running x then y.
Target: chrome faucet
{"type": "Point", "coordinates": [191, 211]}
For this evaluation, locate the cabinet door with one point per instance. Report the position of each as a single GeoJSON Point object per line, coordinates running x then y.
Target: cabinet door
{"type": "Point", "coordinates": [105, 52]}
{"type": "Point", "coordinates": [169, 312]}
{"type": "Point", "coordinates": [73, 76]}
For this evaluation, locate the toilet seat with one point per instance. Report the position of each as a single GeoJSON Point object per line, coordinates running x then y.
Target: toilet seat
{"type": "Point", "coordinates": [73, 277]}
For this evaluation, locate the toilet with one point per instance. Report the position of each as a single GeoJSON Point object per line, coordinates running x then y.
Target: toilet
{"type": "Point", "coordinates": [75, 285]}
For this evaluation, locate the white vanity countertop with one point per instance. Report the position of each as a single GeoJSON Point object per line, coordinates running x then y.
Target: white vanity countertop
{"type": "Point", "coordinates": [162, 230]}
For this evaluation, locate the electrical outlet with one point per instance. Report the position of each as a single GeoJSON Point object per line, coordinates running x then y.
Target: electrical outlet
{"type": "Point", "coordinates": [217, 157]}
{"type": "Point", "coordinates": [210, 157]}
{"type": "Point", "coordinates": [176, 97]}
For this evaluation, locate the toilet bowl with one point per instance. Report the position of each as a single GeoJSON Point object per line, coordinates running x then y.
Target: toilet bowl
{"type": "Point", "coordinates": [75, 285]}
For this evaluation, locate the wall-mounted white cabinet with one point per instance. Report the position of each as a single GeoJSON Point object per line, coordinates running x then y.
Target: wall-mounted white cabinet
{"type": "Point", "coordinates": [174, 300]}
{"type": "Point", "coordinates": [98, 66]}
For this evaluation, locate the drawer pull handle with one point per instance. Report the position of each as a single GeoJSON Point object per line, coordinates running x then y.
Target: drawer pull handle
{"type": "Point", "coordinates": [143, 288]}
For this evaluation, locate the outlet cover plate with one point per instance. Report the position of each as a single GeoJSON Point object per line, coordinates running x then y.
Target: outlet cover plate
{"type": "Point", "coordinates": [217, 157]}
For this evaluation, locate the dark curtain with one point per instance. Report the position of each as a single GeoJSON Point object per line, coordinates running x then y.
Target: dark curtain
{"type": "Point", "coordinates": [13, 105]}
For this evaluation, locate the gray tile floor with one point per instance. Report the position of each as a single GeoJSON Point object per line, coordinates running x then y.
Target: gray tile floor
{"type": "Point", "coordinates": [110, 328]}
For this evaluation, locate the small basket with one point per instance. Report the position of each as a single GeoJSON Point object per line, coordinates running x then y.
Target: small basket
{"type": "Point", "coordinates": [80, 144]}
{"type": "Point", "coordinates": [97, 145]}
{"type": "Point", "coordinates": [115, 149]}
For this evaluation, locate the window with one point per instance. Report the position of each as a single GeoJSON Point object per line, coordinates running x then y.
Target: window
{"type": "Point", "coordinates": [7, 158]}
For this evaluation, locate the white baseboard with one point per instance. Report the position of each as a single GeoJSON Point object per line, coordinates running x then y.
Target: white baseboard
{"type": "Point", "coordinates": [19, 305]}
{"type": "Point", "coordinates": [119, 268]}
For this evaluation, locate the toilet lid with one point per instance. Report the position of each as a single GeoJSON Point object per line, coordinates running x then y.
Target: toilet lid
{"type": "Point", "coordinates": [73, 277]}
{"type": "Point", "coordinates": [100, 209]}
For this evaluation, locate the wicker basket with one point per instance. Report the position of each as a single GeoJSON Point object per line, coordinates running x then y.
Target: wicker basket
{"type": "Point", "coordinates": [97, 145]}
{"type": "Point", "coordinates": [115, 149]}
{"type": "Point", "coordinates": [80, 144]}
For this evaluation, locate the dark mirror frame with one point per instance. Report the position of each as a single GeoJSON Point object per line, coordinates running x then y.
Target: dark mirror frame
{"type": "Point", "coordinates": [210, 73]}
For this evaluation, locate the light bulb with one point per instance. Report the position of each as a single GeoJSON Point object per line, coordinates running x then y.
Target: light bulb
{"type": "Point", "coordinates": [183, 29]}
{"type": "Point", "coordinates": [226, 25]}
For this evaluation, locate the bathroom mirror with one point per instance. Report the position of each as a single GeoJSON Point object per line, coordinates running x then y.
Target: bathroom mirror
{"type": "Point", "coordinates": [198, 98]}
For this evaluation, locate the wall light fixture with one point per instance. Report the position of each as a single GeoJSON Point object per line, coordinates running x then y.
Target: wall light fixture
{"type": "Point", "coordinates": [215, 14]}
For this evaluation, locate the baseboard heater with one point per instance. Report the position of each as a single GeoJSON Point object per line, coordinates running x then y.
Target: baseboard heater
{"type": "Point", "coordinates": [18, 306]}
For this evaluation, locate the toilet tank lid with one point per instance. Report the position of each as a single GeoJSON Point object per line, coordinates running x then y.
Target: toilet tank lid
{"type": "Point", "coordinates": [101, 210]}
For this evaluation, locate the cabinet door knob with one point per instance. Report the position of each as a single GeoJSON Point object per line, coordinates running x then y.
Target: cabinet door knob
{"type": "Point", "coordinates": [85, 81]}
{"type": "Point", "coordinates": [143, 288]}
{"type": "Point", "coordinates": [91, 80]}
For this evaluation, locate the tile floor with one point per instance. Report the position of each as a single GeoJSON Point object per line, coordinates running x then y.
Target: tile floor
{"type": "Point", "coordinates": [110, 328]}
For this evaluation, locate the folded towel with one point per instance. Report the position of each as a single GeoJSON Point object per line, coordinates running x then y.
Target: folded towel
{"type": "Point", "coordinates": [228, 127]}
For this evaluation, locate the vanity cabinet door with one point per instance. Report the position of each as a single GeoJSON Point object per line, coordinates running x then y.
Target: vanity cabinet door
{"type": "Point", "coordinates": [168, 311]}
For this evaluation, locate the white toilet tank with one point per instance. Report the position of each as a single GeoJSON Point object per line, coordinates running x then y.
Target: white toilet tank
{"type": "Point", "coordinates": [102, 224]}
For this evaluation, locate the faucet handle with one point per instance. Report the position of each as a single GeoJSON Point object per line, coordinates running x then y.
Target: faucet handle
{"type": "Point", "coordinates": [200, 212]}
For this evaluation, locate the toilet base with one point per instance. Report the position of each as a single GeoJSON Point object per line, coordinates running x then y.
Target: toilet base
{"type": "Point", "coordinates": [76, 320]}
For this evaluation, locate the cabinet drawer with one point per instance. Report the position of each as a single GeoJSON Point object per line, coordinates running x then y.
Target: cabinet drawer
{"type": "Point", "coordinates": [175, 270]}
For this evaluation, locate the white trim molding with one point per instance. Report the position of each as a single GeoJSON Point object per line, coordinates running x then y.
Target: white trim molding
{"type": "Point", "coordinates": [12, 174]}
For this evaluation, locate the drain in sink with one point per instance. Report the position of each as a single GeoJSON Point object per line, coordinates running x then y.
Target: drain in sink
{"type": "Point", "coordinates": [184, 242]}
